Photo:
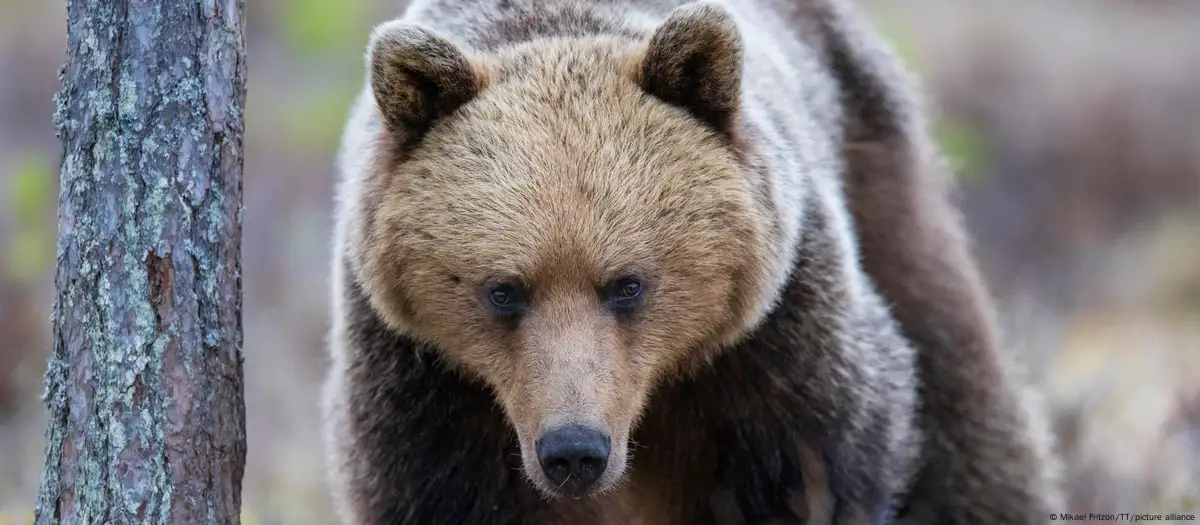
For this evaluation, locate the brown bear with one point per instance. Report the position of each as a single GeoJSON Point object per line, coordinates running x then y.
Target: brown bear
{"type": "Point", "coordinates": [658, 263]}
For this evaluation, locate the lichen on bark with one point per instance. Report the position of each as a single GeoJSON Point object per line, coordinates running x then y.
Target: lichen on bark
{"type": "Point", "coordinates": [144, 385]}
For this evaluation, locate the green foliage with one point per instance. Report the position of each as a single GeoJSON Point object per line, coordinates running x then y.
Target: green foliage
{"type": "Point", "coordinates": [902, 45]}
{"type": "Point", "coordinates": [30, 195]}
{"type": "Point", "coordinates": [315, 25]}
{"type": "Point", "coordinates": [963, 146]}
{"type": "Point", "coordinates": [249, 517]}
{"type": "Point", "coordinates": [16, 517]}
{"type": "Point", "coordinates": [29, 189]}
{"type": "Point", "coordinates": [313, 122]}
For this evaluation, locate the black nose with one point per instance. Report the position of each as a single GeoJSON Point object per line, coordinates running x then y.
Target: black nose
{"type": "Point", "coordinates": [573, 457]}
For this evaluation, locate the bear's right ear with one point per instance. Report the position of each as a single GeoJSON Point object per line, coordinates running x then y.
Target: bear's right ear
{"type": "Point", "coordinates": [417, 77]}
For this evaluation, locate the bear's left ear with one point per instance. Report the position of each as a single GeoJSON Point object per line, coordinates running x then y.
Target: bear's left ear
{"type": "Point", "coordinates": [694, 61]}
{"type": "Point", "coordinates": [418, 77]}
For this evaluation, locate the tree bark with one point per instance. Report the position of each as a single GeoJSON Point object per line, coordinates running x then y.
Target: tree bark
{"type": "Point", "coordinates": [144, 387]}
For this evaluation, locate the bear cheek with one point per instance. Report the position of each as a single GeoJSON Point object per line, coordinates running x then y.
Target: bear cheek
{"type": "Point", "coordinates": [484, 355]}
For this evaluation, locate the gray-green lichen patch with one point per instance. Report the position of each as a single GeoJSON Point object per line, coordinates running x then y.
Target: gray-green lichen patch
{"type": "Point", "coordinates": [128, 98]}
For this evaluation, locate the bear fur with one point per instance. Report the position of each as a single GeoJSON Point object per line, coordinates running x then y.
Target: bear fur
{"type": "Point", "coordinates": [814, 345]}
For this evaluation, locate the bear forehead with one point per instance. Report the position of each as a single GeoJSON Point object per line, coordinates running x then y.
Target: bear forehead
{"type": "Point", "coordinates": [562, 160]}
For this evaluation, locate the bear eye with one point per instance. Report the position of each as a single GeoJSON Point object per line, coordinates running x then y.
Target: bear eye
{"type": "Point", "coordinates": [506, 299]}
{"type": "Point", "coordinates": [500, 297]}
{"type": "Point", "coordinates": [630, 289]}
{"type": "Point", "coordinates": [625, 294]}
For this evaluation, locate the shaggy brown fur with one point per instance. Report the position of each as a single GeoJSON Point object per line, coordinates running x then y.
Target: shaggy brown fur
{"type": "Point", "coordinates": [987, 452]}
{"type": "Point", "coordinates": [558, 148]}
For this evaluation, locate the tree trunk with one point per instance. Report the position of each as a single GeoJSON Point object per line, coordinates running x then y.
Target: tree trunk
{"type": "Point", "coordinates": [144, 387]}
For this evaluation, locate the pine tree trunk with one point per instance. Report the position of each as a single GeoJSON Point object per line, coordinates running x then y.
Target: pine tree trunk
{"type": "Point", "coordinates": [144, 387]}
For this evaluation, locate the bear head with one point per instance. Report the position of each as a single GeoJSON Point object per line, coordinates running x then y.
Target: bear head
{"type": "Point", "coordinates": [571, 221]}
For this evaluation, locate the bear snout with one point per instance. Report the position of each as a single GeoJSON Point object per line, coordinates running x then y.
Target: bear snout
{"type": "Point", "coordinates": [573, 457]}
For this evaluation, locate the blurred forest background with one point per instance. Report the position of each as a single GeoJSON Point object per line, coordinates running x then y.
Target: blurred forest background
{"type": "Point", "coordinates": [1075, 127]}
